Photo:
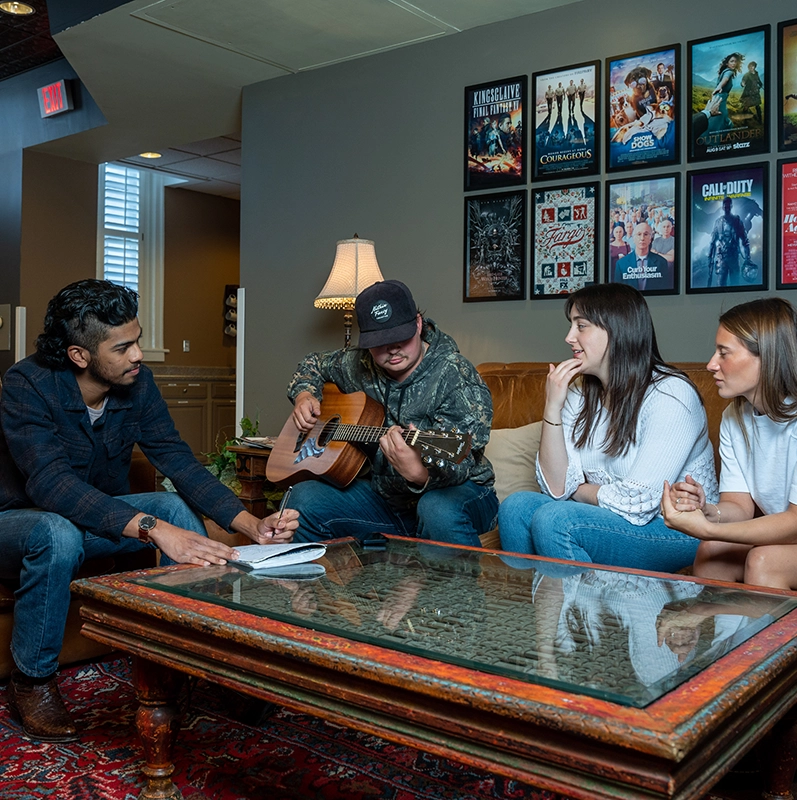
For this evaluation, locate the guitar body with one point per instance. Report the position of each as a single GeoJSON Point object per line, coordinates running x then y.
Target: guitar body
{"type": "Point", "coordinates": [299, 456]}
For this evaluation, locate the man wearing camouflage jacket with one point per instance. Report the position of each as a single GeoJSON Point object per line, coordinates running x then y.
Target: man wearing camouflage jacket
{"type": "Point", "coordinates": [415, 371]}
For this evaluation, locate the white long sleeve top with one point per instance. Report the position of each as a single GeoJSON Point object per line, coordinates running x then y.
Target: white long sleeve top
{"type": "Point", "coordinates": [671, 443]}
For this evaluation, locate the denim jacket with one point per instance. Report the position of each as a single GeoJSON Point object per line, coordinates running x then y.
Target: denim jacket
{"type": "Point", "coordinates": [52, 458]}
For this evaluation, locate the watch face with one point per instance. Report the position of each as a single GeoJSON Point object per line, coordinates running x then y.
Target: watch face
{"type": "Point", "coordinates": [147, 522]}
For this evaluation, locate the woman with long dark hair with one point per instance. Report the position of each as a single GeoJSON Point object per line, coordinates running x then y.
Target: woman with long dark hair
{"type": "Point", "coordinates": [618, 421]}
{"type": "Point", "coordinates": [755, 364]}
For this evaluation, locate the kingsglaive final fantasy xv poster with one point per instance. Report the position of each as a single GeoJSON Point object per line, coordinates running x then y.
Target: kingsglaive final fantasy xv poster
{"type": "Point", "coordinates": [566, 105]}
{"type": "Point", "coordinates": [494, 134]}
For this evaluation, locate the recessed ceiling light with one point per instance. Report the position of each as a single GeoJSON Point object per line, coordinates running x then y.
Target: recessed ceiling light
{"type": "Point", "coordinates": [150, 155]}
{"type": "Point", "coordinates": [17, 9]}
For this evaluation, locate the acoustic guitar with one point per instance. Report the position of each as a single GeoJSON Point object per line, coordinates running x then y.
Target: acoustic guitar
{"type": "Point", "coordinates": [329, 451]}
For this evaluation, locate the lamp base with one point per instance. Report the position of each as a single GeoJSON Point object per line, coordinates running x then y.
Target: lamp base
{"type": "Point", "coordinates": [347, 322]}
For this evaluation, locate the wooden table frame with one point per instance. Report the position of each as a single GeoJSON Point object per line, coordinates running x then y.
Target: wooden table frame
{"type": "Point", "coordinates": [675, 748]}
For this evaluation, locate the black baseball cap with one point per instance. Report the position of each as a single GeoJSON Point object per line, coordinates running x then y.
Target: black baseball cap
{"type": "Point", "coordinates": [386, 314]}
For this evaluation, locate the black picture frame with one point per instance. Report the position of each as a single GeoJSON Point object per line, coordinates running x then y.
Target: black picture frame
{"type": "Point", "coordinates": [495, 247]}
{"type": "Point", "coordinates": [715, 254]}
{"type": "Point", "coordinates": [565, 233]}
{"type": "Point", "coordinates": [495, 134]}
{"type": "Point", "coordinates": [643, 91]}
{"type": "Point", "coordinates": [652, 201]}
{"type": "Point", "coordinates": [737, 126]}
{"type": "Point", "coordinates": [787, 85]}
{"type": "Point", "coordinates": [563, 151]}
{"type": "Point", "coordinates": [786, 264]}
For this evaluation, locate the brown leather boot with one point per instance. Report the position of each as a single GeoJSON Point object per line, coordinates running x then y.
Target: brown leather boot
{"type": "Point", "coordinates": [40, 709]}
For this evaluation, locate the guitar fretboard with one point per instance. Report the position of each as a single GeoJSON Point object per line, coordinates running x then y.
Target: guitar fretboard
{"type": "Point", "coordinates": [368, 434]}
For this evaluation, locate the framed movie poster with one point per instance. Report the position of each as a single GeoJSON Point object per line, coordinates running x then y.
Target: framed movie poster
{"type": "Point", "coordinates": [786, 275]}
{"type": "Point", "coordinates": [565, 235]}
{"type": "Point", "coordinates": [729, 91]}
{"type": "Point", "coordinates": [727, 247]}
{"type": "Point", "coordinates": [495, 247]}
{"type": "Point", "coordinates": [642, 108]}
{"type": "Point", "coordinates": [643, 234]}
{"type": "Point", "coordinates": [566, 105]}
{"type": "Point", "coordinates": [787, 85]}
{"type": "Point", "coordinates": [495, 136]}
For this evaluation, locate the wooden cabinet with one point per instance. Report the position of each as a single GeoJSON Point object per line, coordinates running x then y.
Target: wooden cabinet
{"type": "Point", "coordinates": [203, 411]}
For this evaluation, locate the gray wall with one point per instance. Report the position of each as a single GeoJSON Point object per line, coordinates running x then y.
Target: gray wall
{"type": "Point", "coordinates": [375, 146]}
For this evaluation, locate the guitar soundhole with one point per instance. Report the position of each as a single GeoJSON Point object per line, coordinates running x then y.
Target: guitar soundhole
{"type": "Point", "coordinates": [328, 431]}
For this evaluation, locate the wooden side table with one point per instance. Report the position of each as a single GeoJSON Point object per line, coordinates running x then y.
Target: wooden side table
{"type": "Point", "coordinates": [250, 467]}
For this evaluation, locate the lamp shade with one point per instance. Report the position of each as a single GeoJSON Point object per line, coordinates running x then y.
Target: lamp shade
{"type": "Point", "coordinates": [355, 268]}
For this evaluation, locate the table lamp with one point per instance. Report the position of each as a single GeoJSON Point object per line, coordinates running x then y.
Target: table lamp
{"type": "Point", "coordinates": [355, 268]}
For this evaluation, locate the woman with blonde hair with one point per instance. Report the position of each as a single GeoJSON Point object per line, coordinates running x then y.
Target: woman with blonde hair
{"type": "Point", "coordinates": [755, 364]}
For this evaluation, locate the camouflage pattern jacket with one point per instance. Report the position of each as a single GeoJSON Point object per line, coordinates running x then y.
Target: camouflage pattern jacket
{"type": "Point", "coordinates": [443, 392]}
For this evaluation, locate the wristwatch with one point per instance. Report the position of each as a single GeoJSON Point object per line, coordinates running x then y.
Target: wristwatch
{"type": "Point", "coordinates": [145, 525]}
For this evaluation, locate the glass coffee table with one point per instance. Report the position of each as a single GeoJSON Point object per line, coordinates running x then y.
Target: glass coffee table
{"type": "Point", "coordinates": [592, 682]}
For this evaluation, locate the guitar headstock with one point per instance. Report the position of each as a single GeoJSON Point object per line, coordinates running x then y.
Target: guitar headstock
{"type": "Point", "coordinates": [441, 446]}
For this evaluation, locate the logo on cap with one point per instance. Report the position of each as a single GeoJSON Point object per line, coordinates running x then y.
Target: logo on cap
{"type": "Point", "coordinates": [381, 311]}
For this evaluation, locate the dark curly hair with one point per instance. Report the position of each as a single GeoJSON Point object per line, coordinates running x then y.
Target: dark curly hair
{"type": "Point", "coordinates": [81, 314]}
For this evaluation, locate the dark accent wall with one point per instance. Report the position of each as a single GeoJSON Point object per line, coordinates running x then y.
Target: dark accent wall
{"type": "Point", "coordinates": [375, 146]}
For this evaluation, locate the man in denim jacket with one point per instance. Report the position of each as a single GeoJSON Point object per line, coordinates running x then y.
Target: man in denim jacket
{"type": "Point", "coordinates": [70, 416]}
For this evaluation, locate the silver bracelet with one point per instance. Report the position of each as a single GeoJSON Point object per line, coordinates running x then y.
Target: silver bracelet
{"type": "Point", "coordinates": [719, 513]}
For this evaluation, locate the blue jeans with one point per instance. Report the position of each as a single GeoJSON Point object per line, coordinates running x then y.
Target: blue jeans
{"type": "Point", "coordinates": [530, 522]}
{"type": "Point", "coordinates": [45, 551]}
{"type": "Point", "coordinates": [456, 514]}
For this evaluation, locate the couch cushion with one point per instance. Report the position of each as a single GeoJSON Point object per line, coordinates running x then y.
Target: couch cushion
{"type": "Point", "coordinates": [513, 454]}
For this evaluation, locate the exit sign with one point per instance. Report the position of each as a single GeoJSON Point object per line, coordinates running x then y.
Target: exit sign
{"type": "Point", "coordinates": [54, 99]}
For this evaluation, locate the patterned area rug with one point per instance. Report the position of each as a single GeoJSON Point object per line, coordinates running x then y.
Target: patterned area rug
{"type": "Point", "coordinates": [290, 756]}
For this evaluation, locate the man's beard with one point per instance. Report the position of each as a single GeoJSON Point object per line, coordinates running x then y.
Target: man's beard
{"type": "Point", "coordinates": [112, 383]}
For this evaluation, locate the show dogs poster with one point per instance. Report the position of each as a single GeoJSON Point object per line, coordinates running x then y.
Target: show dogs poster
{"type": "Point", "coordinates": [642, 109]}
{"type": "Point", "coordinates": [787, 239]}
{"type": "Point", "coordinates": [495, 246]}
{"type": "Point", "coordinates": [495, 138]}
{"type": "Point", "coordinates": [566, 104]}
{"type": "Point", "coordinates": [727, 230]}
{"type": "Point", "coordinates": [787, 85]}
{"type": "Point", "coordinates": [642, 236]}
{"type": "Point", "coordinates": [729, 92]}
{"type": "Point", "coordinates": [565, 239]}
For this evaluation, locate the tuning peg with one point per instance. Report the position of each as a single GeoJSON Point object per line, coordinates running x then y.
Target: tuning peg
{"type": "Point", "coordinates": [440, 463]}
{"type": "Point", "coordinates": [427, 459]}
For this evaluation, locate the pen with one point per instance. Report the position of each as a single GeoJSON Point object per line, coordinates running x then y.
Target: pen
{"type": "Point", "coordinates": [284, 502]}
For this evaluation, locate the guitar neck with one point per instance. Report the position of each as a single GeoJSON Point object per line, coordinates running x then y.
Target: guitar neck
{"type": "Point", "coordinates": [368, 434]}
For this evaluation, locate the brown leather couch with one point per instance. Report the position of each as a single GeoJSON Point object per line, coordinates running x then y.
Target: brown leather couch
{"type": "Point", "coordinates": [518, 390]}
{"type": "Point", "coordinates": [76, 647]}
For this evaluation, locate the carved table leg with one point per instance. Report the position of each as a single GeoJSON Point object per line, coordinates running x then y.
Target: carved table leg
{"type": "Point", "coordinates": [783, 763]}
{"type": "Point", "coordinates": [158, 722]}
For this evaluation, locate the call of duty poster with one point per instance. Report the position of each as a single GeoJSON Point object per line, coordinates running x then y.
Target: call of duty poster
{"type": "Point", "coordinates": [727, 248]}
{"type": "Point", "coordinates": [494, 134]}
{"type": "Point", "coordinates": [642, 107]}
{"type": "Point", "coordinates": [643, 234]}
{"type": "Point", "coordinates": [729, 91]}
{"type": "Point", "coordinates": [787, 85]}
{"type": "Point", "coordinates": [787, 238]}
{"type": "Point", "coordinates": [566, 105]}
{"type": "Point", "coordinates": [495, 247]}
{"type": "Point", "coordinates": [565, 239]}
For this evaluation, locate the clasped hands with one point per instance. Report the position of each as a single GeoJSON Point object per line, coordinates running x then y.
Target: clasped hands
{"type": "Point", "coordinates": [682, 507]}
